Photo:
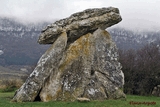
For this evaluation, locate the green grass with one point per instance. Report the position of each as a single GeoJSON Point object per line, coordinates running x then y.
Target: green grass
{"type": "Point", "coordinates": [6, 97]}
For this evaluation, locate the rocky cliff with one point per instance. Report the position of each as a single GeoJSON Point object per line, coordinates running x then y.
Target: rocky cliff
{"type": "Point", "coordinates": [82, 62]}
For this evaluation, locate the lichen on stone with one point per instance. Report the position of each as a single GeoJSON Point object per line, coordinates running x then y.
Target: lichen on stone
{"type": "Point", "coordinates": [81, 63]}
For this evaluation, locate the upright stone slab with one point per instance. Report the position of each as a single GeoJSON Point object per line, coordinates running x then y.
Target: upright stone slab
{"type": "Point", "coordinates": [46, 65]}
{"type": "Point", "coordinates": [156, 91]}
{"type": "Point", "coordinates": [89, 68]}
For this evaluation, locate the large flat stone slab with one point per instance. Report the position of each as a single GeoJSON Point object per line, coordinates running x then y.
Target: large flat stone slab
{"type": "Point", "coordinates": [81, 23]}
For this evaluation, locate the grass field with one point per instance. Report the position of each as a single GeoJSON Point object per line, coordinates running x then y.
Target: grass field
{"type": "Point", "coordinates": [132, 101]}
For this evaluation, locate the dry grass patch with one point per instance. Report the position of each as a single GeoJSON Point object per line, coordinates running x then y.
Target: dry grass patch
{"type": "Point", "coordinates": [10, 85]}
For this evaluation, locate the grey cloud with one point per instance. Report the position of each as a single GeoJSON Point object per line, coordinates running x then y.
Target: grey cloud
{"type": "Point", "coordinates": [140, 14]}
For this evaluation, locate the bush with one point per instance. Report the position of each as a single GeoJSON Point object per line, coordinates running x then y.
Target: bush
{"type": "Point", "coordinates": [141, 69]}
{"type": "Point", "coordinates": [9, 89]}
{"type": "Point", "coordinates": [10, 85]}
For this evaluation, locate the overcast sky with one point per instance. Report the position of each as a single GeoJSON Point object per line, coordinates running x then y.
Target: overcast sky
{"type": "Point", "coordinates": [136, 14]}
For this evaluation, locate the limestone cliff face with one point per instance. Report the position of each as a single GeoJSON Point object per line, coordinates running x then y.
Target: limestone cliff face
{"type": "Point", "coordinates": [81, 63]}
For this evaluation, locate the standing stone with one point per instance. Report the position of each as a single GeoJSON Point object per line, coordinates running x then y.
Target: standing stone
{"type": "Point", "coordinates": [46, 65]}
{"type": "Point", "coordinates": [81, 63]}
{"type": "Point", "coordinates": [89, 68]}
{"type": "Point", "coordinates": [156, 91]}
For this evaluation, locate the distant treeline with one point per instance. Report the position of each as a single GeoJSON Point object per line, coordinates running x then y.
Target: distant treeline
{"type": "Point", "coordinates": [141, 69]}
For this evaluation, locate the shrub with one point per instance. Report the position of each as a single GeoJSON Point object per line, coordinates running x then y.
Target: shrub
{"type": "Point", "coordinates": [11, 85]}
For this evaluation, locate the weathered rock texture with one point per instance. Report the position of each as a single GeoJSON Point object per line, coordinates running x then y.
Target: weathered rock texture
{"type": "Point", "coordinates": [47, 64]}
{"type": "Point", "coordinates": [87, 68]}
{"type": "Point", "coordinates": [81, 23]}
{"type": "Point", "coordinates": [156, 91]}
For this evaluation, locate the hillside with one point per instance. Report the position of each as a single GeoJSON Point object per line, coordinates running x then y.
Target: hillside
{"type": "Point", "coordinates": [19, 53]}
{"type": "Point", "coordinates": [9, 77]}
{"type": "Point", "coordinates": [127, 39]}
{"type": "Point", "coordinates": [18, 42]}
{"type": "Point", "coordinates": [6, 74]}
